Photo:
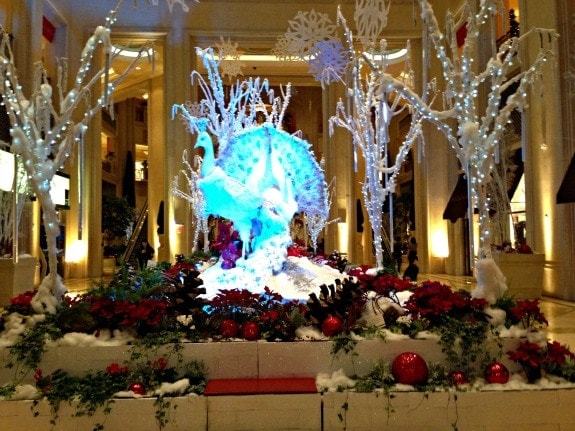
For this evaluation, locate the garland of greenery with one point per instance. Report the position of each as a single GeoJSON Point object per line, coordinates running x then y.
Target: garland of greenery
{"type": "Point", "coordinates": [95, 390]}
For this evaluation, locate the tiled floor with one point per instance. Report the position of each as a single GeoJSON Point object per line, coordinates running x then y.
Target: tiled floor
{"type": "Point", "coordinates": [559, 314]}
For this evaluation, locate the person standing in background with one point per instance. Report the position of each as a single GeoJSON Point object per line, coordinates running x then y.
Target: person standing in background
{"type": "Point", "coordinates": [412, 269]}
{"type": "Point", "coordinates": [412, 250]}
{"type": "Point", "coordinates": [397, 253]}
{"type": "Point", "coordinates": [145, 253]}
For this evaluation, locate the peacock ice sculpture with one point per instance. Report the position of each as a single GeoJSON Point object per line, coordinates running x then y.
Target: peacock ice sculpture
{"type": "Point", "coordinates": [256, 175]}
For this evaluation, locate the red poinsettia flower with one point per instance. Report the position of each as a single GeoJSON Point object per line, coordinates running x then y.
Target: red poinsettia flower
{"type": "Point", "coordinates": [435, 301]}
{"type": "Point", "coordinates": [528, 312]}
{"type": "Point", "coordinates": [298, 250]}
{"type": "Point", "coordinates": [21, 303]}
{"type": "Point", "coordinates": [125, 313]}
{"type": "Point", "coordinates": [528, 354]}
{"type": "Point", "coordinates": [38, 374]}
{"type": "Point", "coordinates": [160, 364]}
{"type": "Point", "coordinates": [269, 316]}
{"type": "Point", "coordinates": [558, 353]}
{"type": "Point", "coordinates": [115, 369]}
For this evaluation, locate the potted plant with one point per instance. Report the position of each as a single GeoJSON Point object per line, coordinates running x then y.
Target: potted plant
{"type": "Point", "coordinates": [117, 219]}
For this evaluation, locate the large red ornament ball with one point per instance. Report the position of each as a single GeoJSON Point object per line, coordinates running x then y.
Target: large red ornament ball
{"type": "Point", "coordinates": [409, 368]}
{"type": "Point", "coordinates": [250, 331]}
{"type": "Point", "coordinates": [229, 328]}
{"type": "Point", "coordinates": [138, 389]}
{"type": "Point", "coordinates": [457, 378]}
{"type": "Point", "coordinates": [331, 325]}
{"type": "Point", "coordinates": [496, 373]}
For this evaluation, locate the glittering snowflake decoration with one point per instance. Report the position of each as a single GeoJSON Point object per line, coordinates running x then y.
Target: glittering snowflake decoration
{"type": "Point", "coordinates": [328, 61]}
{"type": "Point", "coordinates": [306, 30]}
{"type": "Point", "coordinates": [283, 50]}
{"type": "Point", "coordinates": [230, 64]}
{"type": "Point", "coordinates": [196, 110]}
{"type": "Point", "coordinates": [370, 18]}
{"type": "Point", "coordinates": [170, 3]}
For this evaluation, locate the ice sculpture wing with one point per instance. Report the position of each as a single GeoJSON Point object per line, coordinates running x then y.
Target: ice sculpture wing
{"type": "Point", "coordinates": [265, 157]}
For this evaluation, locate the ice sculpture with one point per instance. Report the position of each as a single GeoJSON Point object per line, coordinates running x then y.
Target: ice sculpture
{"type": "Point", "coordinates": [260, 178]}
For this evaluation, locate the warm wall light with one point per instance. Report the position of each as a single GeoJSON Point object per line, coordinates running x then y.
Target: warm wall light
{"type": "Point", "coordinates": [342, 232]}
{"type": "Point", "coordinates": [439, 243]}
{"type": "Point", "coordinates": [76, 251]}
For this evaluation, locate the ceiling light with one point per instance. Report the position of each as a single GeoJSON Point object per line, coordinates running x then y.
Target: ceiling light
{"type": "Point", "coordinates": [133, 52]}
{"type": "Point", "coordinates": [396, 56]}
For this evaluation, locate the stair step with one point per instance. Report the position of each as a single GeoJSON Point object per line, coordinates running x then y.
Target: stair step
{"type": "Point", "coordinates": [291, 385]}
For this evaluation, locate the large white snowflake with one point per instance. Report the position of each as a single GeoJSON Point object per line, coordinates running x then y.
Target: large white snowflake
{"type": "Point", "coordinates": [370, 19]}
{"type": "Point", "coordinates": [328, 61]}
{"type": "Point", "coordinates": [171, 4]}
{"type": "Point", "coordinates": [306, 30]}
{"type": "Point", "coordinates": [230, 64]}
{"type": "Point", "coordinates": [283, 50]}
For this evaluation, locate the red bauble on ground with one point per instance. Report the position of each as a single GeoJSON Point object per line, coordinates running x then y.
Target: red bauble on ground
{"type": "Point", "coordinates": [138, 389]}
{"type": "Point", "coordinates": [229, 328]}
{"type": "Point", "coordinates": [458, 378]}
{"type": "Point", "coordinates": [409, 368]}
{"type": "Point", "coordinates": [331, 325]}
{"type": "Point", "coordinates": [496, 373]}
{"type": "Point", "coordinates": [250, 331]}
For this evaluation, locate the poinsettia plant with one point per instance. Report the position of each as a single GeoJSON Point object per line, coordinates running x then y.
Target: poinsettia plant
{"type": "Point", "coordinates": [528, 313]}
{"type": "Point", "coordinates": [277, 319]}
{"type": "Point", "coordinates": [435, 302]}
{"type": "Point", "coordinates": [551, 357]}
{"type": "Point", "coordinates": [381, 283]}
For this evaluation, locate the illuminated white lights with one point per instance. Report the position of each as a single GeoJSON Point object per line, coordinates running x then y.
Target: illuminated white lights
{"type": "Point", "coordinates": [133, 52]}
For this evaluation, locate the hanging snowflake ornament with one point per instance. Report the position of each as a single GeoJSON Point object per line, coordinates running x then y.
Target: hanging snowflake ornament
{"type": "Point", "coordinates": [170, 3]}
{"type": "Point", "coordinates": [306, 30]}
{"type": "Point", "coordinates": [230, 64]}
{"type": "Point", "coordinates": [283, 50]}
{"type": "Point", "coordinates": [328, 61]}
{"type": "Point", "coordinates": [370, 18]}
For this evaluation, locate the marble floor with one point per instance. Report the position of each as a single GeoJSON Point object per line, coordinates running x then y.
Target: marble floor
{"type": "Point", "coordinates": [560, 314]}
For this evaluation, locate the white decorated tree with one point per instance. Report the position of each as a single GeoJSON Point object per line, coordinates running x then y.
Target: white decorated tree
{"type": "Point", "coordinates": [45, 131]}
{"type": "Point", "coordinates": [192, 194]}
{"type": "Point", "coordinates": [369, 107]}
{"type": "Point", "coordinates": [473, 125]}
{"type": "Point", "coordinates": [481, 120]}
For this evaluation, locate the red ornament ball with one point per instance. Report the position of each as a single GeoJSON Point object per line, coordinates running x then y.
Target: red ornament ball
{"type": "Point", "coordinates": [457, 378]}
{"type": "Point", "coordinates": [409, 368]}
{"type": "Point", "coordinates": [229, 328]}
{"type": "Point", "coordinates": [138, 389]}
{"type": "Point", "coordinates": [331, 325]}
{"type": "Point", "coordinates": [496, 373]}
{"type": "Point", "coordinates": [250, 331]}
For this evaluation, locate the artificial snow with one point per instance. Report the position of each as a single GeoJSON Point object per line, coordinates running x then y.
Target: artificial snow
{"type": "Point", "coordinates": [14, 326]}
{"type": "Point", "coordinates": [491, 283]}
{"type": "Point", "coordinates": [333, 382]}
{"type": "Point", "coordinates": [48, 294]}
{"type": "Point", "coordinates": [23, 392]}
{"type": "Point", "coordinates": [337, 381]}
{"type": "Point", "coordinates": [178, 387]}
{"type": "Point", "coordinates": [309, 333]}
{"type": "Point", "coordinates": [100, 338]}
{"type": "Point", "coordinates": [297, 279]}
